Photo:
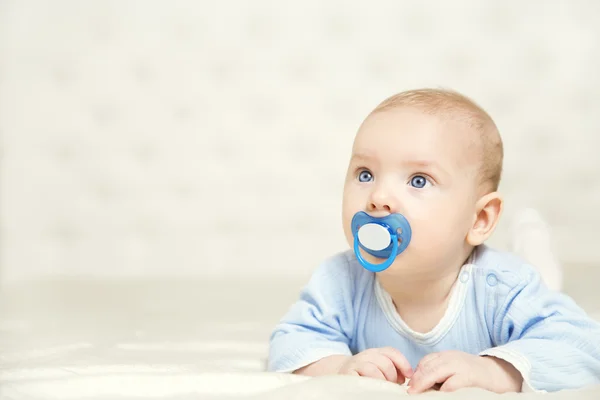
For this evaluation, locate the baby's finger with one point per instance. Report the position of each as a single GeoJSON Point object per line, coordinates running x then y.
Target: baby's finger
{"type": "Point", "coordinates": [399, 361]}
{"type": "Point", "coordinates": [428, 358]}
{"type": "Point", "coordinates": [425, 378]}
{"type": "Point", "coordinates": [454, 383]}
{"type": "Point", "coordinates": [386, 366]}
{"type": "Point", "coordinates": [429, 363]}
{"type": "Point", "coordinates": [370, 370]}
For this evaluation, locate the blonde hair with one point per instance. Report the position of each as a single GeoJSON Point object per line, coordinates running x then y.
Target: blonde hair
{"type": "Point", "coordinates": [453, 105]}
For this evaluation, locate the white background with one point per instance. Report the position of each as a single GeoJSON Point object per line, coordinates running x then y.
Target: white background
{"type": "Point", "coordinates": [182, 138]}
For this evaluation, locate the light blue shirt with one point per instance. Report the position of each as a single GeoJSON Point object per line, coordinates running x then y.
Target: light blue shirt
{"type": "Point", "coordinates": [498, 306]}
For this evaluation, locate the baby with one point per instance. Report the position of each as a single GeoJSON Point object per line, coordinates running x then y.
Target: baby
{"type": "Point", "coordinates": [438, 307]}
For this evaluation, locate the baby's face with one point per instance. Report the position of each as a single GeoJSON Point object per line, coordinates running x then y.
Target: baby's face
{"type": "Point", "coordinates": [404, 161]}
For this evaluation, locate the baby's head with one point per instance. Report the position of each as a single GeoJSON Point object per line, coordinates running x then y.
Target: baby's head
{"type": "Point", "coordinates": [436, 157]}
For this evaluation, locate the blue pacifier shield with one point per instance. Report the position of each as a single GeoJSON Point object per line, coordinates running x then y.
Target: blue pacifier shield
{"type": "Point", "coordinates": [385, 237]}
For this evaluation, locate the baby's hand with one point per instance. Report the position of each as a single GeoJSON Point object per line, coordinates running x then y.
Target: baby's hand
{"type": "Point", "coordinates": [384, 363]}
{"type": "Point", "coordinates": [456, 370]}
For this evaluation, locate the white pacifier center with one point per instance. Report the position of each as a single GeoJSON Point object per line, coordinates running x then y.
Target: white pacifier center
{"type": "Point", "coordinates": [374, 236]}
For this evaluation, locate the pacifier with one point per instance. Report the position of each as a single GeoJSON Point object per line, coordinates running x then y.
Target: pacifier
{"type": "Point", "coordinates": [385, 237]}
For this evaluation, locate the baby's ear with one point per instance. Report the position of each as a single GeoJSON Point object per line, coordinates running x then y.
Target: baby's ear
{"type": "Point", "coordinates": [488, 210]}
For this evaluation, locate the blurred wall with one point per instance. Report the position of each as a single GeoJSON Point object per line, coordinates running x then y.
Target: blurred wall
{"type": "Point", "coordinates": [148, 138]}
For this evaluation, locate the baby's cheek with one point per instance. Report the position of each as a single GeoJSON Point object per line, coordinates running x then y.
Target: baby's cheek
{"type": "Point", "coordinates": [430, 239]}
{"type": "Point", "coordinates": [346, 222]}
{"type": "Point", "coordinates": [349, 237]}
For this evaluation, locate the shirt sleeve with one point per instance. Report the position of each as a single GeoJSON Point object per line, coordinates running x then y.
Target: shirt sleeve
{"type": "Point", "coordinates": [543, 334]}
{"type": "Point", "coordinates": [319, 324]}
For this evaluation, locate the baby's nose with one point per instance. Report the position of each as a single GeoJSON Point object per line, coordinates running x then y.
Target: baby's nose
{"type": "Point", "coordinates": [381, 200]}
{"type": "Point", "coordinates": [373, 206]}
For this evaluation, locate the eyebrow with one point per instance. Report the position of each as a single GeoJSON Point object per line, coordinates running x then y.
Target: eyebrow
{"type": "Point", "coordinates": [362, 156]}
{"type": "Point", "coordinates": [425, 164]}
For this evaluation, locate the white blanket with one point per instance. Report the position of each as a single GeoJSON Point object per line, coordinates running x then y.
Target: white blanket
{"type": "Point", "coordinates": [162, 341]}
{"type": "Point", "coordinates": [136, 382]}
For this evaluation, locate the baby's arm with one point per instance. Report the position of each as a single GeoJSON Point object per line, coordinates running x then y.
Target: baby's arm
{"type": "Point", "coordinates": [543, 334]}
{"type": "Point", "coordinates": [385, 363]}
{"type": "Point", "coordinates": [314, 337]}
{"type": "Point", "coordinates": [318, 327]}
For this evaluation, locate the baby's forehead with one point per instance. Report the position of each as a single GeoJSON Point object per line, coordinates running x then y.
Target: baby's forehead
{"type": "Point", "coordinates": [465, 132]}
{"type": "Point", "coordinates": [415, 132]}
{"type": "Point", "coordinates": [445, 147]}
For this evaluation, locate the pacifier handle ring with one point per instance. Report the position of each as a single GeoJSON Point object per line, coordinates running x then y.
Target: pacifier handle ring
{"type": "Point", "coordinates": [383, 265]}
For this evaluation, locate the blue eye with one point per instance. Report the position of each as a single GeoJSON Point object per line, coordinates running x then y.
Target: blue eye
{"type": "Point", "coordinates": [365, 176]}
{"type": "Point", "coordinates": [418, 181]}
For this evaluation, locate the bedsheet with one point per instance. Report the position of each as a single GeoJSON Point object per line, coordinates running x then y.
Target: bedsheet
{"type": "Point", "coordinates": [164, 340]}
